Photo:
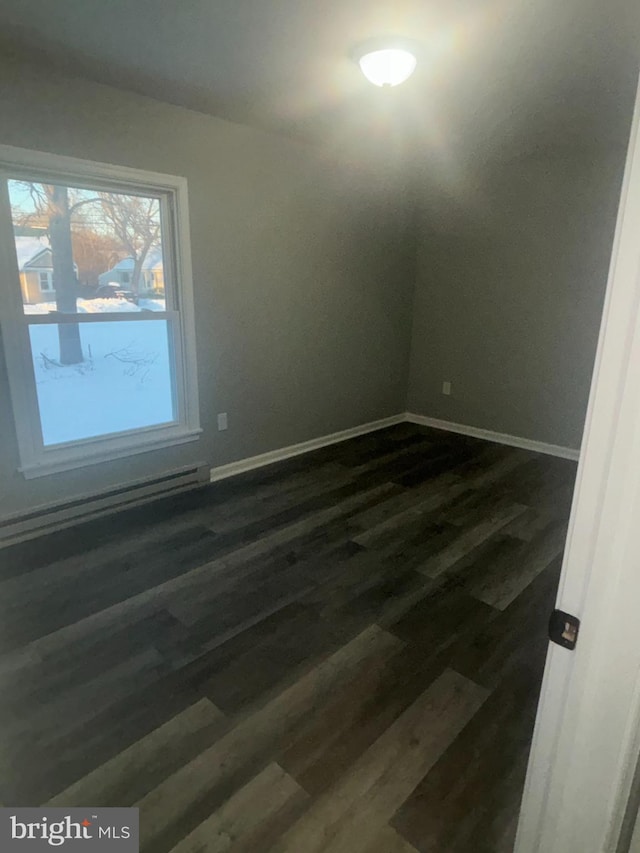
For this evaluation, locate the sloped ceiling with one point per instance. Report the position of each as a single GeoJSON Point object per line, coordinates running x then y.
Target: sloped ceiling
{"type": "Point", "coordinates": [496, 77]}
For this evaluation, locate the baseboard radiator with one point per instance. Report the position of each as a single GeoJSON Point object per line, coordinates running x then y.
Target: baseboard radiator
{"type": "Point", "coordinates": [52, 517]}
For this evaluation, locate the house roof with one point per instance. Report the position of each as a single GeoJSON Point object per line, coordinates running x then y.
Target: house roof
{"type": "Point", "coordinates": [153, 261]}
{"type": "Point", "coordinates": [32, 253]}
{"type": "Point", "coordinates": [35, 253]}
{"type": "Point", "coordinates": [42, 260]}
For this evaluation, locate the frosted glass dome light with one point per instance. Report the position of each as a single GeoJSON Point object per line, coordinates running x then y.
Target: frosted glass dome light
{"type": "Point", "coordinates": [389, 66]}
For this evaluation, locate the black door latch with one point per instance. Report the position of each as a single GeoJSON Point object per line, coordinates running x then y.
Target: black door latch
{"type": "Point", "coordinates": [563, 629]}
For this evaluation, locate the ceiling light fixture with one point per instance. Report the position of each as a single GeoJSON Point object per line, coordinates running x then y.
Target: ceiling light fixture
{"type": "Point", "coordinates": [386, 65]}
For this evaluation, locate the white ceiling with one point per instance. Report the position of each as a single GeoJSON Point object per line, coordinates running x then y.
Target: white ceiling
{"type": "Point", "coordinates": [496, 77]}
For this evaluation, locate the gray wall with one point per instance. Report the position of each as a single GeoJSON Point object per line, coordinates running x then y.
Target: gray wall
{"type": "Point", "coordinates": [511, 281]}
{"type": "Point", "coordinates": [305, 266]}
{"type": "Point", "coordinates": [303, 273]}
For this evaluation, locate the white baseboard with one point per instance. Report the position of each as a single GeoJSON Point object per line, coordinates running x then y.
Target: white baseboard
{"type": "Point", "coordinates": [242, 465]}
{"type": "Point", "coordinates": [498, 437]}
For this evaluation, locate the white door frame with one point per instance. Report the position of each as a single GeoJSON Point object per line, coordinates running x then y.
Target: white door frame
{"type": "Point", "coordinates": [587, 735]}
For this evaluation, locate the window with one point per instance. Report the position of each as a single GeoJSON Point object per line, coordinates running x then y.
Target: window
{"type": "Point", "coordinates": [95, 372]}
{"type": "Point", "coordinates": [46, 281]}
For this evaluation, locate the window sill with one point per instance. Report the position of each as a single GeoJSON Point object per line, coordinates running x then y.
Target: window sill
{"type": "Point", "coordinates": [107, 451]}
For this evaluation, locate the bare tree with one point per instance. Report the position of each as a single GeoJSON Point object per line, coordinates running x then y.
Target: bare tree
{"type": "Point", "coordinates": [93, 251]}
{"type": "Point", "coordinates": [136, 224]}
{"type": "Point", "coordinates": [53, 203]}
{"type": "Point", "coordinates": [53, 211]}
{"type": "Point", "coordinates": [129, 224]}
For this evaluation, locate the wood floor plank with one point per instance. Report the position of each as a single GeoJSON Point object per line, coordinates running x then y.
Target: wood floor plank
{"type": "Point", "coordinates": [133, 773]}
{"type": "Point", "coordinates": [44, 677]}
{"type": "Point", "coordinates": [296, 644]}
{"type": "Point", "coordinates": [466, 801]}
{"type": "Point", "coordinates": [393, 513]}
{"type": "Point", "coordinates": [210, 776]}
{"type": "Point", "coordinates": [530, 524]}
{"type": "Point", "coordinates": [189, 545]}
{"type": "Point", "coordinates": [243, 821]}
{"type": "Point", "coordinates": [471, 538]}
{"type": "Point", "coordinates": [349, 815]}
{"type": "Point", "coordinates": [387, 840]}
{"type": "Point", "coordinates": [492, 466]}
{"type": "Point", "coordinates": [288, 523]}
{"type": "Point", "coordinates": [506, 579]}
{"type": "Point", "coordinates": [296, 657]}
{"type": "Point", "coordinates": [438, 463]}
{"type": "Point", "coordinates": [444, 617]}
{"type": "Point", "coordinates": [510, 638]}
{"type": "Point", "coordinates": [238, 604]}
{"type": "Point", "coordinates": [157, 597]}
{"type": "Point", "coordinates": [357, 716]}
{"type": "Point", "coordinates": [68, 709]}
{"type": "Point", "coordinates": [269, 498]}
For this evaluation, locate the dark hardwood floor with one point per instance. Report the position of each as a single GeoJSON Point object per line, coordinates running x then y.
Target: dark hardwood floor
{"type": "Point", "coordinates": [338, 653]}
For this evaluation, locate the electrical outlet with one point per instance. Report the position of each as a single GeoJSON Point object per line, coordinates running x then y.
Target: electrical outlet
{"type": "Point", "coordinates": [222, 422]}
{"type": "Point", "coordinates": [446, 388]}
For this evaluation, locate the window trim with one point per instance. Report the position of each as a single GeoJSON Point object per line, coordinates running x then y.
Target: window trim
{"type": "Point", "coordinates": [49, 280]}
{"type": "Point", "coordinates": [35, 458]}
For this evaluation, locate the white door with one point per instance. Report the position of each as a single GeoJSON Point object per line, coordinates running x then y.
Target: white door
{"type": "Point", "coordinates": [587, 737]}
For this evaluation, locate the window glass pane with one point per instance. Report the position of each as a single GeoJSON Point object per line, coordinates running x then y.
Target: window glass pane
{"type": "Point", "coordinates": [124, 382]}
{"type": "Point", "coordinates": [100, 251]}
{"type": "Point", "coordinates": [45, 281]}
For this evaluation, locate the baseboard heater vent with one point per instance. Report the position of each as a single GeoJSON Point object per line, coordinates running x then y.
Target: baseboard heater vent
{"type": "Point", "coordinates": [52, 517]}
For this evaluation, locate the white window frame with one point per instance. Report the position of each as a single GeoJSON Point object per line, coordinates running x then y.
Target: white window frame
{"type": "Point", "coordinates": [49, 280]}
{"type": "Point", "coordinates": [37, 459]}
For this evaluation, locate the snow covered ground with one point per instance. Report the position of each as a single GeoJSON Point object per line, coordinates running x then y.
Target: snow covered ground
{"type": "Point", "coordinates": [124, 383]}
{"type": "Point", "coordinates": [100, 306]}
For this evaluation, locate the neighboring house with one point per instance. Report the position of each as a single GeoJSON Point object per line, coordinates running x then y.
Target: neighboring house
{"type": "Point", "coordinates": [35, 265]}
{"type": "Point", "coordinates": [152, 276]}
{"type": "Point", "coordinates": [36, 269]}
